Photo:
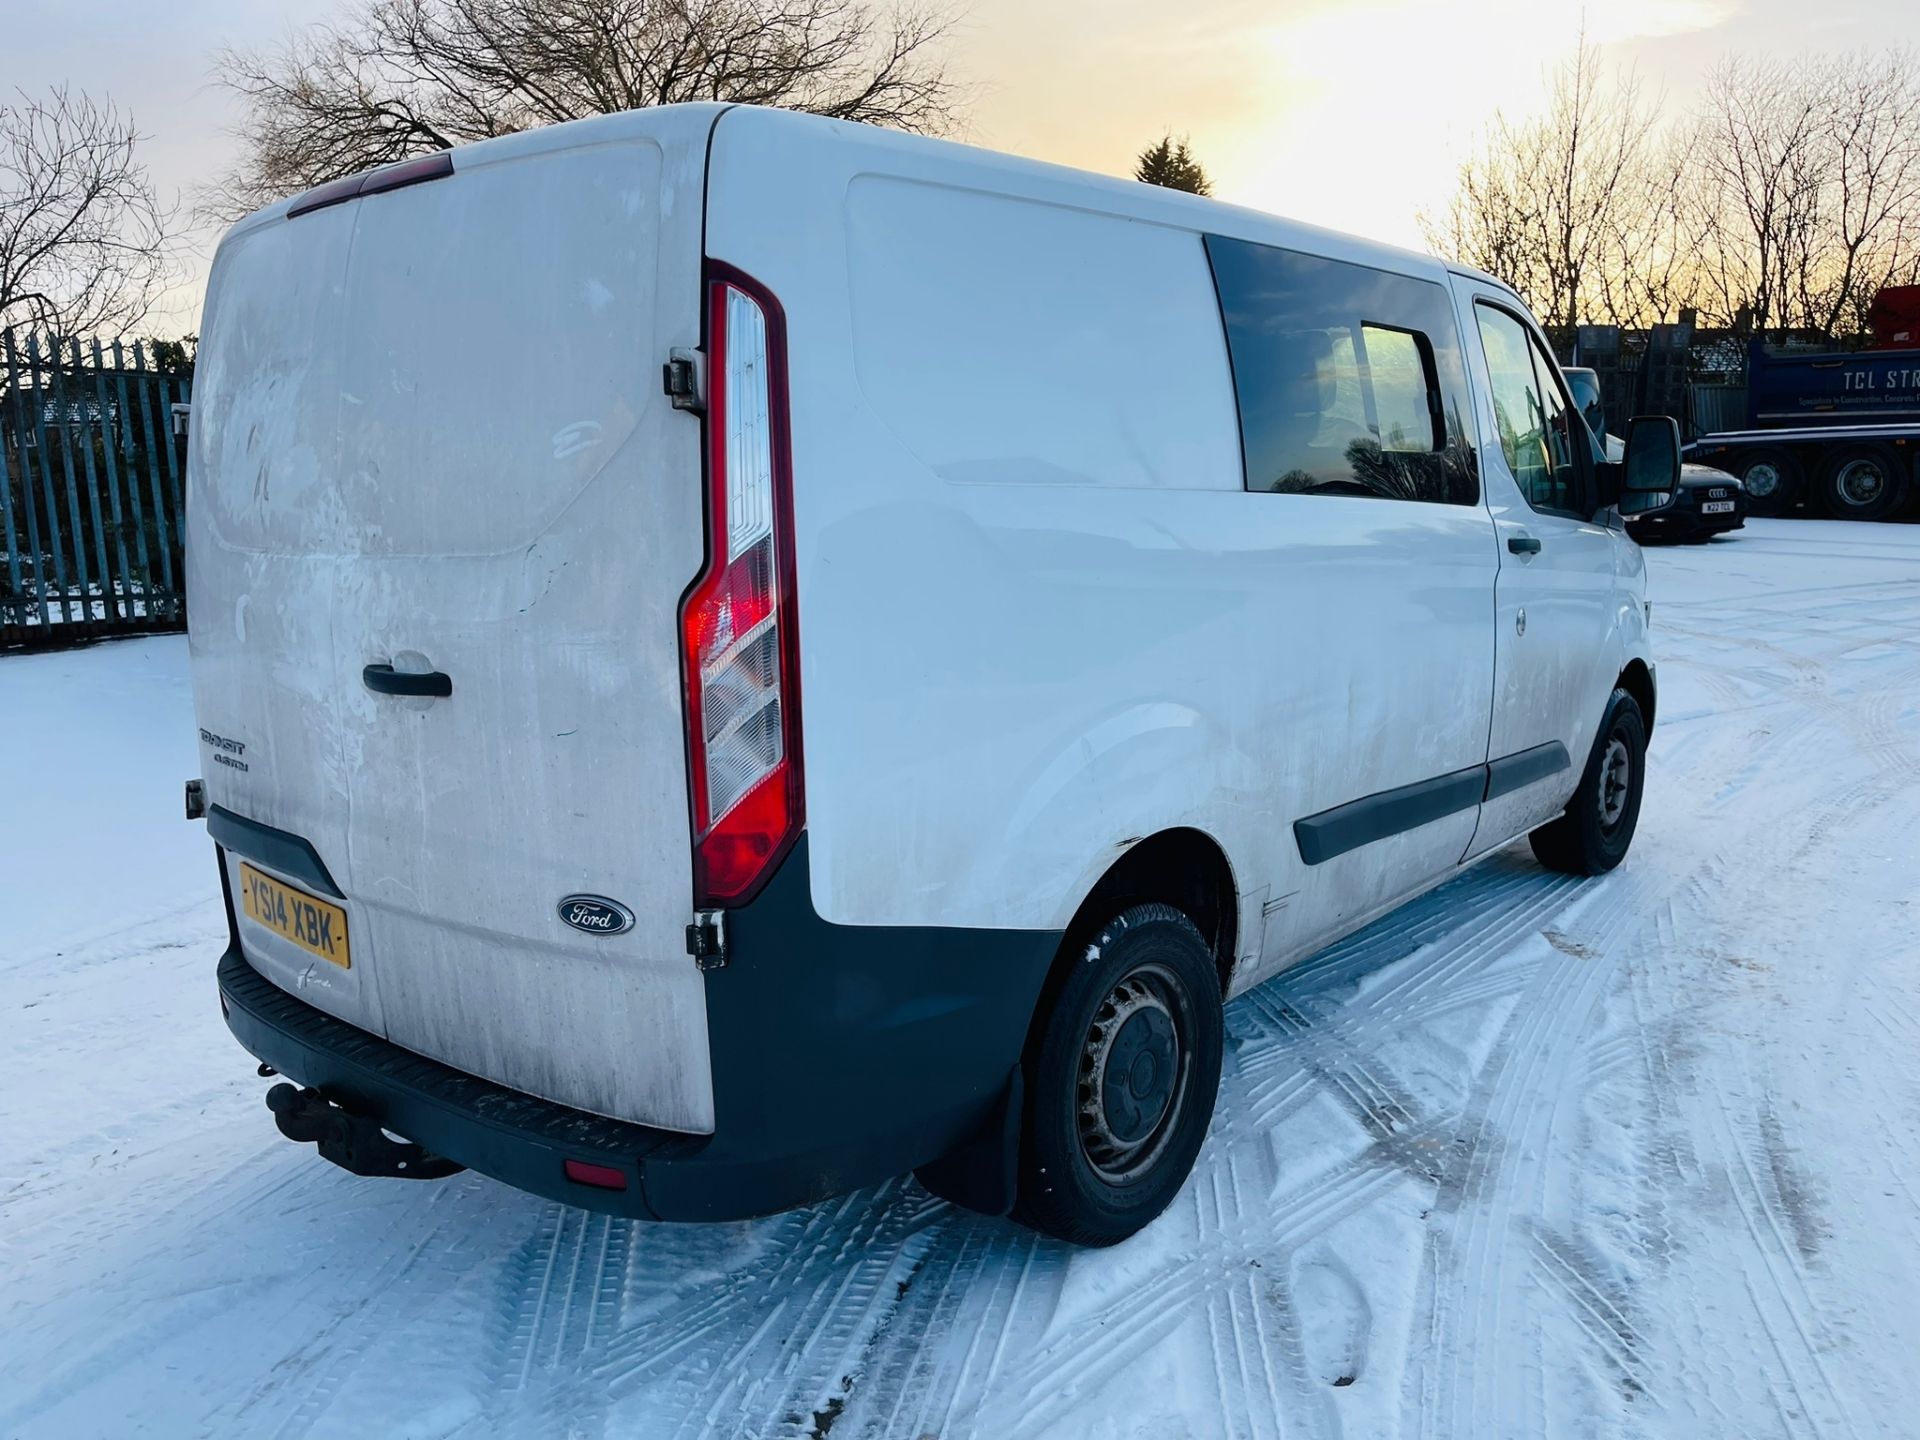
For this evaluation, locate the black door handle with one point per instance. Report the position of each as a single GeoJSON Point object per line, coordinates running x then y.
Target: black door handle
{"type": "Point", "coordinates": [385, 680]}
{"type": "Point", "coordinates": [1523, 544]}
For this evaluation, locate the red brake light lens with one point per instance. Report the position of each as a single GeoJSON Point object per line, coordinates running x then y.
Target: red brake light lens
{"type": "Point", "coordinates": [738, 625]}
{"type": "Point", "coordinates": [421, 168]}
{"type": "Point", "coordinates": [436, 166]}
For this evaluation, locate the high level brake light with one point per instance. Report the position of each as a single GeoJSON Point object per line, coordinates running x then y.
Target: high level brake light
{"type": "Point", "coordinates": [416, 171]}
{"type": "Point", "coordinates": [738, 631]}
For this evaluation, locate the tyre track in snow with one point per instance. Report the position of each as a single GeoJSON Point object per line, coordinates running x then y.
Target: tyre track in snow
{"type": "Point", "coordinates": [565, 1293]}
{"type": "Point", "coordinates": [1694, 1144]}
{"type": "Point", "coordinates": [1254, 1337]}
{"type": "Point", "coordinates": [1485, 1264]}
{"type": "Point", "coordinates": [1236, 1238]}
{"type": "Point", "coordinates": [774, 1346]}
{"type": "Point", "coordinates": [1238, 1233]}
{"type": "Point", "coordinates": [401, 1288]}
{"type": "Point", "coordinates": [711, 1358]}
{"type": "Point", "coordinates": [75, 1354]}
{"type": "Point", "coordinates": [1601, 1310]}
{"type": "Point", "coordinates": [1473, 1281]}
{"type": "Point", "coordinates": [1001, 1301]}
{"type": "Point", "coordinates": [1439, 976]}
{"type": "Point", "coordinates": [1789, 1318]}
{"type": "Point", "coordinates": [1795, 1329]}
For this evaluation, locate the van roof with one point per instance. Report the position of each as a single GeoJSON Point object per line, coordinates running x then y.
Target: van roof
{"type": "Point", "coordinates": [997, 171]}
{"type": "Point", "coordinates": [1087, 190]}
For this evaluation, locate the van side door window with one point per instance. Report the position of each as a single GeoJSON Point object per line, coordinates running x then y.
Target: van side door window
{"type": "Point", "coordinates": [1534, 416]}
{"type": "Point", "coordinates": [1350, 380]}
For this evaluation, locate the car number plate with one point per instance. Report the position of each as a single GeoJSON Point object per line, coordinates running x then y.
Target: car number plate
{"type": "Point", "coordinates": [317, 927]}
{"type": "Point", "coordinates": [1716, 507]}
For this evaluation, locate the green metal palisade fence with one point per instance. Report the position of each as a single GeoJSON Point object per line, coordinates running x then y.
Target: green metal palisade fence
{"type": "Point", "coordinates": [90, 491]}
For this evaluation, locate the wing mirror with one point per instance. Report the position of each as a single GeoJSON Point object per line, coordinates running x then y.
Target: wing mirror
{"type": "Point", "coordinates": [1650, 469]}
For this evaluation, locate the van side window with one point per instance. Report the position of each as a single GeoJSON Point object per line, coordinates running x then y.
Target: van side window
{"type": "Point", "coordinates": [1349, 379]}
{"type": "Point", "coordinates": [1402, 391]}
{"type": "Point", "coordinates": [1534, 418]}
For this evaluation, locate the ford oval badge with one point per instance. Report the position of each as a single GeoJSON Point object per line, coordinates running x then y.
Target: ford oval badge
{"type": "Point", "coordinates": [596, 914]}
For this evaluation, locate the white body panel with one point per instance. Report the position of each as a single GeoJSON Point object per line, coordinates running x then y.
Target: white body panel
{"type": "Point", "coordinates": [431, 433]}
{"type": "Point", "coordinates": [1041, 616]}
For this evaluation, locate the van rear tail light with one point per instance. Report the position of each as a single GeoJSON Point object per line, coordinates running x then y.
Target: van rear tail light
{"type": "Point", "coordinates": [737, 625]}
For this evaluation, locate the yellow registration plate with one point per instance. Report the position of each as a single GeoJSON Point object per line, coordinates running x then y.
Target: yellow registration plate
{"type": "Point", "coordinates": [314, 925]}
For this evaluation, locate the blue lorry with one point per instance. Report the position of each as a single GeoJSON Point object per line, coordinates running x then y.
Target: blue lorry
{"type": "Point", "coordinates": [1838, 432]}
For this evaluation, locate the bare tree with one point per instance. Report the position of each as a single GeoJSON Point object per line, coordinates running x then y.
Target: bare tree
{"type": "Point", "coordinates": [84, 237]}
{"type": "Point", "coordinates": [1755, 146]}
{"type": "Point", "coordinates": [1785, 201]}
{"type": "Point", "coordinates": [1871, 193]}
{"type": "Point", "coordinates": [1571, 207]}
{"type": "Point", "coordinates": [402, 77]}
{"type": "Point", "coordinates": [1807, 183]}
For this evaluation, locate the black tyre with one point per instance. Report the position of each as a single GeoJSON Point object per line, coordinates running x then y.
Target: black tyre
{"type": "Point", "coordinates": [1121, 1073]}
{"type": "Point", "coordinates": [1864, 482]}
{"type": "Point", "coordinates": [1592, 834]}
{"type": "Point", "coordinates": [1771, 479]}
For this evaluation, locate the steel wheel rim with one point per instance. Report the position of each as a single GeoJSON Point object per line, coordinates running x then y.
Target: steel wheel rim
{"type": "Point", "coordinates": [1146, 1005]}
{"type": "Point", "coordinates": [1861, 482]}
{"type": "Point", "coordinates": [1761, 481]}
{"type": "Point", "coordinates": [1616, 780]}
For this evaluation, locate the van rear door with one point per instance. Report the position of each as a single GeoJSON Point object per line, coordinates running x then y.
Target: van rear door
{"type": "Point", "coordinates": [458, 459]}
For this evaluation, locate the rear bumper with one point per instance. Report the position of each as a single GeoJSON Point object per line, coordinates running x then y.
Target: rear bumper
{"type": "Point", "coordinates": [842, 1056]}
{"type": "Point", "coordinates": [487, 1127]}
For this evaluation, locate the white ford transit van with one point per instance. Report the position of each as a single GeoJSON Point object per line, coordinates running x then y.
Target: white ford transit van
{"type": "Point", "coordinates": [739, 655]}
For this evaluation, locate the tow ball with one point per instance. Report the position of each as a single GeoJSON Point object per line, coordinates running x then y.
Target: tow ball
{"type": "Point", "coordinates": [353, 1142]}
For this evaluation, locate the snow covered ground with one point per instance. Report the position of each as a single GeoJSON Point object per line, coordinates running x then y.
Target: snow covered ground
{"type": "Point", "coordinates": [1637, 1156]}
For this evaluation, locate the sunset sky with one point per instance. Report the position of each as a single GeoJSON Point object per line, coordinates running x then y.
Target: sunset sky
{"type": "Point", "coordinates": [1349, 113]}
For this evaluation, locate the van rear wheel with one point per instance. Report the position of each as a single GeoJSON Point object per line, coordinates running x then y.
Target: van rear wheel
{"type": "Point", "coordinates": [1122, 1072]}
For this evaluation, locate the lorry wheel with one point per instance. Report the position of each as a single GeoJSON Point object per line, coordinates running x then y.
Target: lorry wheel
{"type": "Point", "coordinates": [1864, 482]}
{"type": "Point", "coordinates": [1122, 1071]}
{"type": "Point", "coordinates": [1771, 479]}
{"type": "Point", "coordinates": [1592, 834]}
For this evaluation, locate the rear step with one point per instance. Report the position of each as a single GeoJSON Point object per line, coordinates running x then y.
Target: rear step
{"type": "Point", "coordinates": [353, 1142]}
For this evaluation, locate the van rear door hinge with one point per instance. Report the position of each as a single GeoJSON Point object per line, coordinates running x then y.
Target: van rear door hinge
{"type": "Point", "coordinates": [684, 377]}
{"type": "Point", "coordinates": [707, 939]}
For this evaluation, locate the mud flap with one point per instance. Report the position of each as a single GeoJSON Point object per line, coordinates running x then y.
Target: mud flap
{"type": "Point", "coordinates": [983, 1173]}
{"type": "Point", "coordinates": [353, 1142]}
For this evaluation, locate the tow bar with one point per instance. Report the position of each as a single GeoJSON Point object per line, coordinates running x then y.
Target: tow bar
{"type": "Point", "coordinates": [353, 1142]}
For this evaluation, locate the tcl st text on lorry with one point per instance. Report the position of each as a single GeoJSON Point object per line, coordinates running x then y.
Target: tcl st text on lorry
{"type": "Point", "coordinates": [748, 654]}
